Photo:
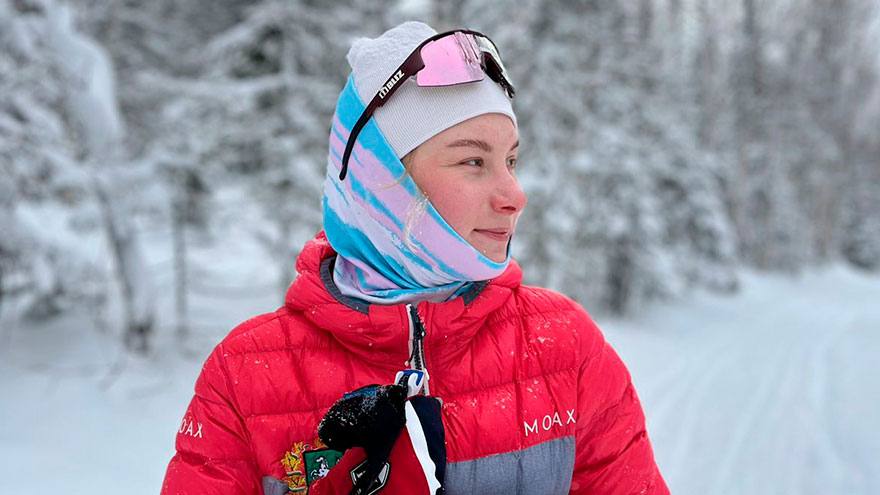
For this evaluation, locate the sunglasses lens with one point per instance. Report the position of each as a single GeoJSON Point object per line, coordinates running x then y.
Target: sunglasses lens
{"type": "Point", "coordinates": [487, 47]}
{"type": "Point", "coordinates": [450, 60]}
{"type": "Point", "coordinates": [494, 66]}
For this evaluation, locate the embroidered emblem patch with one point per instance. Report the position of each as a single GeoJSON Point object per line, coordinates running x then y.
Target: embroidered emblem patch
{"type": "Point", "coordinates": [318, 463]}
{"type": "Point", "coordinates": [306, 462]}
{"type": "Point", "coordinates": [294, 470]}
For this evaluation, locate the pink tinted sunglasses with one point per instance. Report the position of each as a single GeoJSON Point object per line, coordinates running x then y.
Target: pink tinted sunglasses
{"type": "Point", "coordinates": [445, 59]}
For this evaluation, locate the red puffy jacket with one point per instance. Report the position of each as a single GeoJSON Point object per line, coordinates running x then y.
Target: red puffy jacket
{"type": "Point", "coordinates": [534, 399]}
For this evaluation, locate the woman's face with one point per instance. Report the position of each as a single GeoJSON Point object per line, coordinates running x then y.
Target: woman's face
{"type": "Point", "coordinates": [468, 174]}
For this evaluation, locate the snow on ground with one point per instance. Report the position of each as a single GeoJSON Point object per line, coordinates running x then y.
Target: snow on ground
{"type": "Point", "coordinates": [773, 391]}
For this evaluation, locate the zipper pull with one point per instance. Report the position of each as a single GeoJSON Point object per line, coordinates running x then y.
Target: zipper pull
{"type": "Point", "coordinates": [417, 337]}
{"type": "Point", "coordinates": [413, 380]}
{"type": "Point", "coordinates": [416, 376]}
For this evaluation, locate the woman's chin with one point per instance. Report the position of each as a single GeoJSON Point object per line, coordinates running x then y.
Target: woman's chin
{"type": "Point", "coordinates": [496, 254]}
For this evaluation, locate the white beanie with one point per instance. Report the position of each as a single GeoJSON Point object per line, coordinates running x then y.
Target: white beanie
{"type": "Point", "coordinates": [414, 114]}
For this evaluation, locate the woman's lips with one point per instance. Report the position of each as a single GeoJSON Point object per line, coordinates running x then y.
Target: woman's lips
{"type": "Point", "coordinates": [495, 234]}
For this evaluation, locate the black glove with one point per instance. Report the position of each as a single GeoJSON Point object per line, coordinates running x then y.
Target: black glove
{"type": "Point", "coordinates": [370, 417]}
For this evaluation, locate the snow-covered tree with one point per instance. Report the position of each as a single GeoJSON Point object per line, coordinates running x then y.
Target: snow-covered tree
{"type": "Point", "coordinates": [274, 78]}
{"type": "Point", "coordinates": [624, 206]}
{"type": "Point", "coordinates": [664, 143]}
{"type": "Point", "coordinates": [46, 215]}
{"type": "Point", "coordinates": [63, 140]}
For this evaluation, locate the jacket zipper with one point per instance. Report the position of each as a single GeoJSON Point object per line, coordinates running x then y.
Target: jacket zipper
{"type": "Point", "coordinates": [417, 343]}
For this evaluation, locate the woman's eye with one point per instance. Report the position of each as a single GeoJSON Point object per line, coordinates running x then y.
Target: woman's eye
{"type": "Point", "coordinates": [477, 162]}
{"type": "Point", "coordinates": [511, 162]}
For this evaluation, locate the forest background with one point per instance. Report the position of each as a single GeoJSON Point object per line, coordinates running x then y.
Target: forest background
{"type": "Point", "coordinates": [667, 144]}
{"type": "Point", "coordinates": [161, 162]}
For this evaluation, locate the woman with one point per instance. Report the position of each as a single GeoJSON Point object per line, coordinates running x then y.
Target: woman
{"type": "Point", "coordinates": [408, 317]}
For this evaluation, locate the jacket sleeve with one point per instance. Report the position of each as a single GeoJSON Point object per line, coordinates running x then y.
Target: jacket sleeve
{"type": "Point", "coordinates": [614, 455]}
{"type": "Point", "coordinates": [213, 454]}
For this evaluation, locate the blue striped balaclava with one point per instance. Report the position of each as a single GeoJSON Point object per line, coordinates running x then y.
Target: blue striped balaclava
{"type": "Point", "coordinates": [392, 245]}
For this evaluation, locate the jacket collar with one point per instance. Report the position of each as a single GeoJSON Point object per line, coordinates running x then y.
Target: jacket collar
{"type": "Point", "coordinates": [380, 333]}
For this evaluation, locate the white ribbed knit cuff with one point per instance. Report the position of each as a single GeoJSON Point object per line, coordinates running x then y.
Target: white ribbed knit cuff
{"type": "Point", "coordinates": [415, 114]}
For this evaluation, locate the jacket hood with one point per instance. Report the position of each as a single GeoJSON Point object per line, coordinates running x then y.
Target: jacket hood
{"type": "Point", "coordinates": [380, 333]}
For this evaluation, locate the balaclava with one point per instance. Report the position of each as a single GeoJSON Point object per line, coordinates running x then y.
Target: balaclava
{"type": "Point", "coordinates": [392, 244]}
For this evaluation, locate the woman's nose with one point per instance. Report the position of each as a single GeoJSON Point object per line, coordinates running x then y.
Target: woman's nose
{"type": "Point", "coordinates": [508, 196]}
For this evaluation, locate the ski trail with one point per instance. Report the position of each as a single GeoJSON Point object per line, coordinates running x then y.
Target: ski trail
{"type": "Point", "coordinates": [818, 392]}
{"type": "Point", "coordinates": [758, 394]}
{"type": "Point", "coordinates": [858, 442]}
{"type": "Point", "coordinates": [778, 438]}
{"type": "Point", "coordinates": [751, 417]}
{"type": "Point", "coordinates": [672, 387]}
{"type": "Point", "coordinates": [690, 412]}
{"type": "Point", "coordinates": [683, 406]}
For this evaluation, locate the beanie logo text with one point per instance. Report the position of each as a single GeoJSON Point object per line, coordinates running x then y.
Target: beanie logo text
{"type": "Point", "coordinates": [390, 84]}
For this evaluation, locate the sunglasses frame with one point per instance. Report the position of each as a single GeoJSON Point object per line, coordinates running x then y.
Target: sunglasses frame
{"type": "Point", "coordinates": [490, 61]}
